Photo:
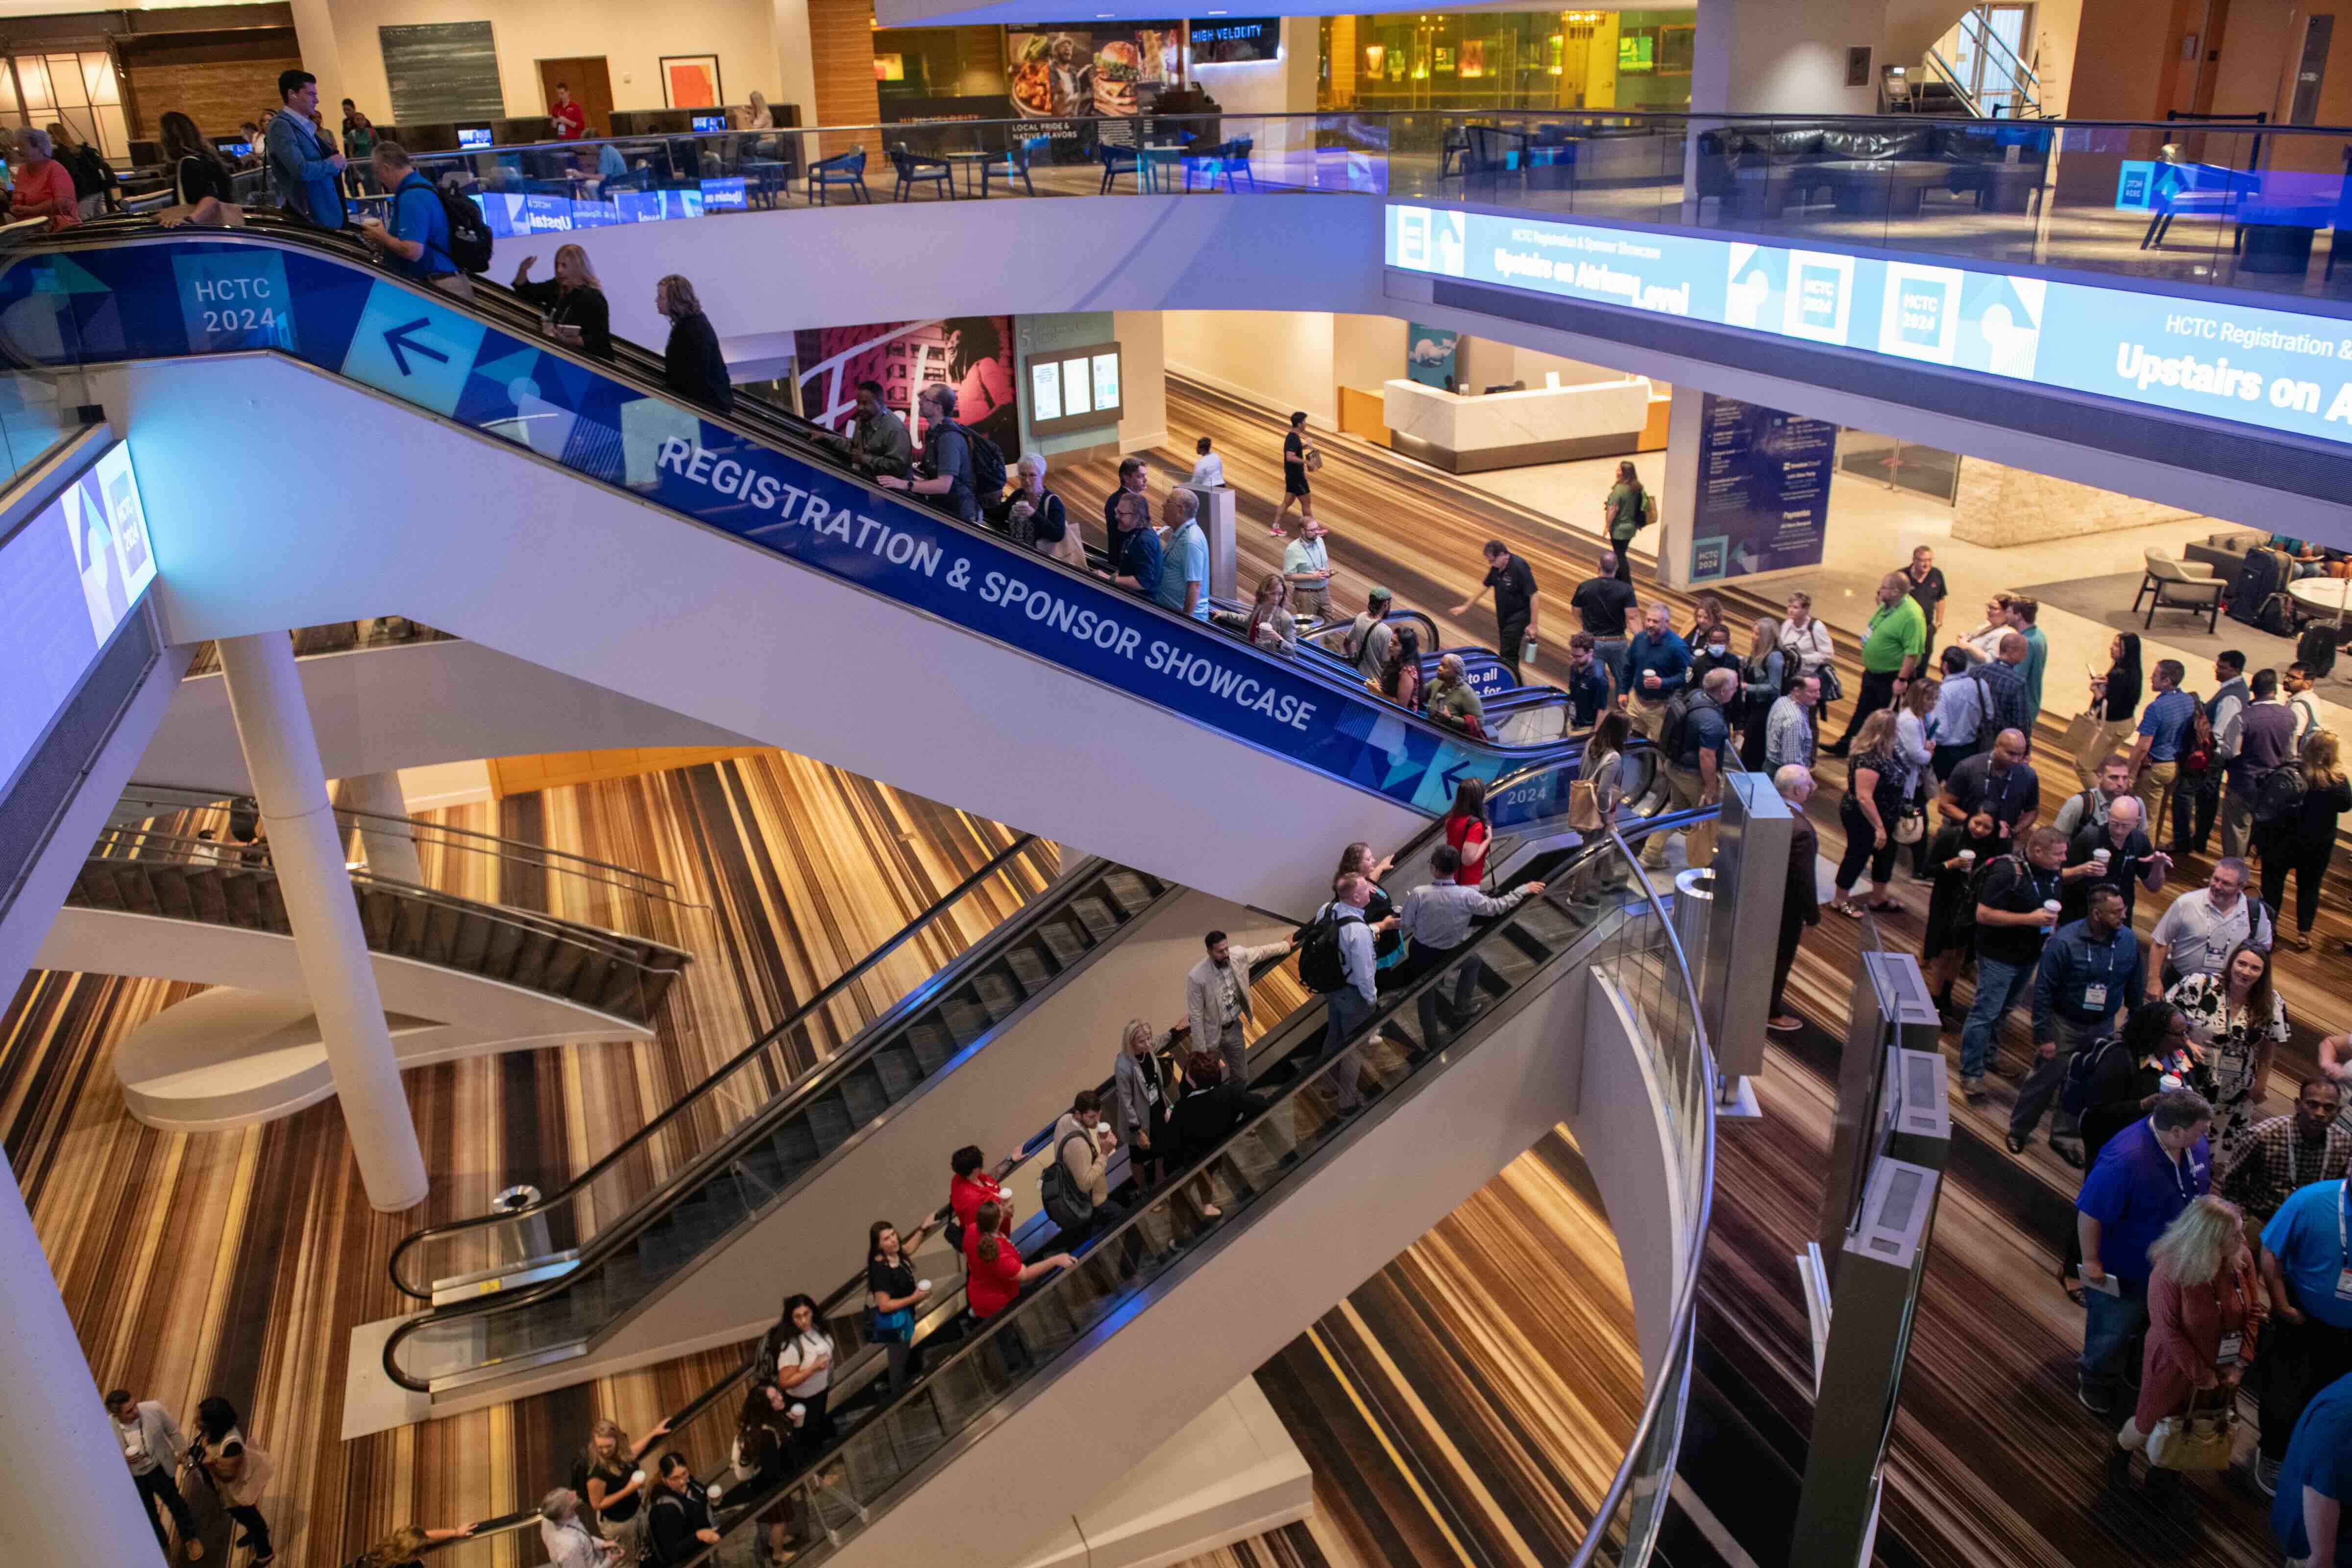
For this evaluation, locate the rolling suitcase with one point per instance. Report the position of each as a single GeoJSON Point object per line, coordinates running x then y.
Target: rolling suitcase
{"type": "Point", "coordinates": [2259, 599]}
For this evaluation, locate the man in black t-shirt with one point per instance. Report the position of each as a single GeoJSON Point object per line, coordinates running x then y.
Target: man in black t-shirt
{"type": "Point", "coordinates": [1603, 602]}
{"type": "Point", "coordinates": [1927, 587]}
{"type": "Point", "coordinates": [2001, 782]}
{"type": "Point", "coordinates": [2132, 862]}
{"type": "Point", "coordinates": [2015, 912]}
{"type": "Point", "coordinates": [1515, 602]}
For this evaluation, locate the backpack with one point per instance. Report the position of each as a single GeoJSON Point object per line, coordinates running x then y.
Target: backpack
{"type": "Point", "coordinates": [1322, 968]}
{"type": "Point", "coordinates": [2278, 793]}
{"type": "Point", "coordinates": [654, 1553]}
{"type": "Point", "coordinates": [988, 471]}
{"type": "Point", "coordinates": [2315, 651]}
{"type": "Point", "coordinates": [1676, 729]}
{"type": "Point", "coordinates": [2074, 1093]}
{"type": "Point", "coordinates": [469, 232]}
{"type": "Point", "coordinates": [1071, 1210]}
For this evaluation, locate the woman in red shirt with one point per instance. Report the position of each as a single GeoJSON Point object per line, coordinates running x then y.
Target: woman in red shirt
{"type": "Point", "coordinates": [1466, 830]}
{"type": "Point", "coordinates": [969, 1187]}
{"type": "Point", "coordinates": [995, 1273]}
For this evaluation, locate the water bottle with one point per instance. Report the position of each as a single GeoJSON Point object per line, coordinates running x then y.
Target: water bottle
{"type": "Point", "coordinates": [1528, 651]}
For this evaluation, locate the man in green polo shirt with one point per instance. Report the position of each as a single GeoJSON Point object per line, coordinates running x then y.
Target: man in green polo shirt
{"type": "Point", "coordinates": [1890, 650]}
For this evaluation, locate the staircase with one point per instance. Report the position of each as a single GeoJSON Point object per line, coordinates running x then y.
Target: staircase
{"type": "Point", "coordinates": [197, 880]}
{"type": "Point", "coordinates": [1975, 69]}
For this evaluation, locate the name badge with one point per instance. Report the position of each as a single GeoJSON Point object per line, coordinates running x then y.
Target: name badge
{"type": "Point", "coordinates": [2233, 1348]}
{"type": "Point", "coordinates": [2095, 996]}
{"type": "Point", "coordinates": [2343, 1284]}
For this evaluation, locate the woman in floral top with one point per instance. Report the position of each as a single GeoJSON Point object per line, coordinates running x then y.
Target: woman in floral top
{"type": "Point", "coordinates": [2237, 1023]}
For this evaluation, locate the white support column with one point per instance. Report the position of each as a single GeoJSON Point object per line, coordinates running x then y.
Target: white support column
{"type": "Point", "coordinates": [389, 846]}
{"type": "Point", "coordinates": [1678, 492]}
{"type": "Point", "coordinates": [60, 1442]}
{"type": "Point", "coordinates": [273, 726]}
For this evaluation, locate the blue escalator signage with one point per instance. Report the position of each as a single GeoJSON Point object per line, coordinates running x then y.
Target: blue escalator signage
{"type": "Point", "coordinates": [2247, 365]}
{"type": "Point", "coordinates": [235, 301]}
{"type": "Point", "coordinates": [130, 302]}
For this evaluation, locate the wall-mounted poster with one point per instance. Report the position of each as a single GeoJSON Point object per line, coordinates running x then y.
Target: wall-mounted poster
{"type": "Point", "coordinates": [691, 81]}
{"type": "Point", "coordinates": [442, 70]}
{"type": "Point", "coordinates": [973, 353]}
{"type": "Point", "coordinates": [1076, 72]}
{"type": "Point", "coordinates": [1444, 60]}
{"type": "Point", "coordinates": [1763, 491]}
{"type": "Point", "coordinates": [1474, 57]}
{"type": "Point", "coordinates": [1430, 353]}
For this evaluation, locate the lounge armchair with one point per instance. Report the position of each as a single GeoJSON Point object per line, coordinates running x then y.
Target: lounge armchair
{"type": "Point", "coordinates": [2174, 585]}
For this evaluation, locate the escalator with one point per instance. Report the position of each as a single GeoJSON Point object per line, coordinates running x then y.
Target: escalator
{"type": "Point", "coordinates": [701, 1189]}
{"type": "Point", "coordinates": [1009, 675]}
{"type": "Point", "coordinates": [1174, 1304]}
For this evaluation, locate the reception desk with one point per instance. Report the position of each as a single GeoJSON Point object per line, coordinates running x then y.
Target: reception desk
{"type": "Point", "coordinates": [1512, 429]}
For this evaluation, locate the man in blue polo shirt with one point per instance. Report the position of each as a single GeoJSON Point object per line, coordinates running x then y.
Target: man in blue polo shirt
{"type": "Point", "coordinates": [2316, 1484]}
{"type": "Point", "coordinates": [2146, 1175]}
{"type": "Point", "coordinates": [415, 242]}
{"type": "Point", "coordinates": [2308, 1344]}
{"type": "Point", "coordinates": [1591, 692]}
{"type": "Point", "coordinates": [1183, 585]}
{"type": "Point", "coordinates": [2156, 750]}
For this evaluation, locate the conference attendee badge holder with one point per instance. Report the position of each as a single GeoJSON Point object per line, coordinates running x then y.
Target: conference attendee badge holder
{"type": "Point", "coordinates": [2233, 1350]}
{"type": "Point", "coordinates": [2344, 1255]}
{"type": "Point", "coordinates": [2095, 996]}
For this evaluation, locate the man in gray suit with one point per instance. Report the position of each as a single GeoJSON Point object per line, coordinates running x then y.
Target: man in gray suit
{"type": "Point", "coordinates": [1217, 998]}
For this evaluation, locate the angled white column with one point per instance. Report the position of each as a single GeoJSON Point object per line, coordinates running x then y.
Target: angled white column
{"type": "Point", "coordinates": [273, 726]}
{"type": "Point", "coordinates": [60, 1442]}
{"type": "Point", "coordinates": [389, 846]}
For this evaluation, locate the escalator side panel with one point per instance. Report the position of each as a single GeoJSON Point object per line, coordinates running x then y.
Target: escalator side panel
{"type": "Point", "coordinates": [1023, 1080]}
{"type": "Point", "coordinates": [1212, 1324]}
{"type": "Point", "coordinates": [167, 299]}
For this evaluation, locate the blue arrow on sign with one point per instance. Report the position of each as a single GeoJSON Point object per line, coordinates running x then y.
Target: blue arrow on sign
{"type": "Point", "coordinates": [396, 339]}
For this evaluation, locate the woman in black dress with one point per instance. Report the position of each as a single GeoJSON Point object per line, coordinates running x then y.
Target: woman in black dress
{"type": "Point", "coordinates": [692, 362]}
{"type": "Point", "coordinates": [201, 181]}
{"type": "Point", "coordinates": [572, 305]}
{"type": "Point", "coordinates": [1295, 448]}
{"type": "Point", "coordinates": [2115, 700]}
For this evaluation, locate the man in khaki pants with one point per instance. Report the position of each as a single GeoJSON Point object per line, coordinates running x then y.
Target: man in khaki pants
{"type": "Point", "coordinates": [2165, 731]}
{"type": "Point", "coordinates": [1657, 662]}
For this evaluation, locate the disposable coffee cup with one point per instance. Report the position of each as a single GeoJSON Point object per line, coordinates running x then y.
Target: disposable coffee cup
{"type": "Point", "coordinates": [639, 1478]}
{"type": "Point", "coordinates": [2050, 907]}
{"type": "Point", "coordinates": [1966, 857]}
{"type": "Point", "coordinates": [922, 1284]}
{"type": "Point", "coordinates": [2103, 856]}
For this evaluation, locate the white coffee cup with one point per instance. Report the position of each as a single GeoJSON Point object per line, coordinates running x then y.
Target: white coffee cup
{"type": "Point", "coordinates": [1966, 857]}
{"type": "Point", "coordinates": [2103, 856]}
{"type": "Point", "coordinates": [2050, 907]}
{"type": "Point", "coordinates": [922, 1284]}
{"type": "Point", "coordinates": [639, 1478]}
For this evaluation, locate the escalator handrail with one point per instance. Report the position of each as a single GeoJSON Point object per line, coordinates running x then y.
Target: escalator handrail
{"type": "Point", "coordinates": [730, 1146]}
{"type": "Point", "coordinates": [1682, 1333]}
{"type": "Point", "coordinates": [1105, 1242]}
{"type": "Point", "coordinates": [210, 854]}
{"type": "Point", "coordinates": [798, 450]}
{"type": "Point", "coordinates": [817, 1078]}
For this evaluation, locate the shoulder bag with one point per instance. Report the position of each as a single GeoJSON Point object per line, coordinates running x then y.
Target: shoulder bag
{"type": "Point", "coordinates": [2199, 1438]}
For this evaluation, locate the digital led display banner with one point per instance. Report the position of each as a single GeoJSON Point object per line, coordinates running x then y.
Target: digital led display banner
{"type": "Point", "coordinates": [69, 577]}
{"type": "Point", "coordinates": [2270, 370]}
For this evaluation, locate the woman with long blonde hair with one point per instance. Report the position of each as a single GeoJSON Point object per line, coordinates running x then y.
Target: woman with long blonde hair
{"type": "Point", "coordinates": [2205, 1307]}
{"type": "Point", "coordinates": [572, 309]}
{"type": "Point", "coordinates": [2303, 840]}
{"type": "Point", "coordinates": [1271, 624]}
{"type": "Point", "coordinates": [404, 1547]}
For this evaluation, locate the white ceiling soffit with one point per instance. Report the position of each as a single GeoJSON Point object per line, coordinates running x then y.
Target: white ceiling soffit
{"type": "Point", "coordinates": [945, 13]}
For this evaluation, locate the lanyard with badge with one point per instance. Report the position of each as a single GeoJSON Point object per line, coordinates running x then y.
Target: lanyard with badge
{"type": "Point", "coordinates": [2094, 993]}
{"type": "Point", "coordinates": [2343, 1255]}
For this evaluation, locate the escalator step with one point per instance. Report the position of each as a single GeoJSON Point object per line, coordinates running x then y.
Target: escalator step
{"type": "Point", "coordinates": [137, 885]}
{"type": "Point", "coordinates": [1527, 941]}
{"type": "Point", "coordinates": [440, 932]}
{"type": "Point", "coordinates": [862, 1094]}
{"type": "Point", "coordinates": [794, 1143]}
{"type": "Point", "coordinates": [965, 1018]}
{"type": "Point", "coordinates": [829, 1123]}
{"type": "Point", "coordinates": [205, 893]}
{"type": "Point", "coordinates": [1551, 924]}
{"type": "Point", "coordinates": [377, 913]}
{"type": "Point", "coordinates": [1097, 915]}
{"type": "Point", "coordinates": [1128, 889]}
{"type": "Point", "coordinates": [896, 1067]}
{"type": "Point", "coordinates": [1032, 965]}
{"type": "Point", "coordinates": [998, 992]}
{"type": "Point", "coordinates": [766, 1167]}
{"type": "Point", "coordinates": [471, 942]}
{"type": "Point", "coordinates": [1510, 959]}
{"type": "Point", "coordinates": [171, 897]}
{"type": "Point", "coordinates": [930, 1042]}
{"type": "Point", "coordinates": [271, 899]}
{"type": "Point", "coordinates": [240, 891]}
{"type": "Point", "coordinates": [1063, 939]}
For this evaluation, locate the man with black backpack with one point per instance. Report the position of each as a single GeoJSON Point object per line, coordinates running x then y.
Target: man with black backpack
{"type": "Point", "coordinates": [1693, 738]}
{"type": "Point", "coordinates": [2260, 740]}
{"type": "Point", "coordinates": [2016, 899]}
{"type": "Point", "coordinates": [1337, 962]}
{"type": "Point", "coordinates": [961, 469]}
{"type": "Point", "coordinates": [425, 239]}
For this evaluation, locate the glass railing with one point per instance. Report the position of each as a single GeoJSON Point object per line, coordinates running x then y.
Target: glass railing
{"type": "Point", "coordinates": [482, 867]}
{"type": "Point", "coordinates": [188, 876]}
{"type": "Point", "coordinates": [1598, 910]}
{"type": "Point", "coordinates": [2070, 194]}
{"type": "Point", "coordinates": [537, 1233]}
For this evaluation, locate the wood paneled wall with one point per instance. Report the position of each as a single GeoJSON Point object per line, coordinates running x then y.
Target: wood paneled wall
{"type": "Point", "coordinates": [841, 51]}
{"type": "Point", "coordinates": [217, 94]}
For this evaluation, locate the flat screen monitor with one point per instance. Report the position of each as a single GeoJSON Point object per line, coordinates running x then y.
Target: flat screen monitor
{"type": "Point", "coordinates": [710, 122]}
{"type": "Point", "coordinates": [235, 149]}
{"type": "Point", "coordinates": [1077, 381]}
{"type": "Point", "coordinates": [471, 137]}
{"type": "Point", "coordinates": [1044, 391]}
{"type": "Point", "coordinates": [1106, 381]}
